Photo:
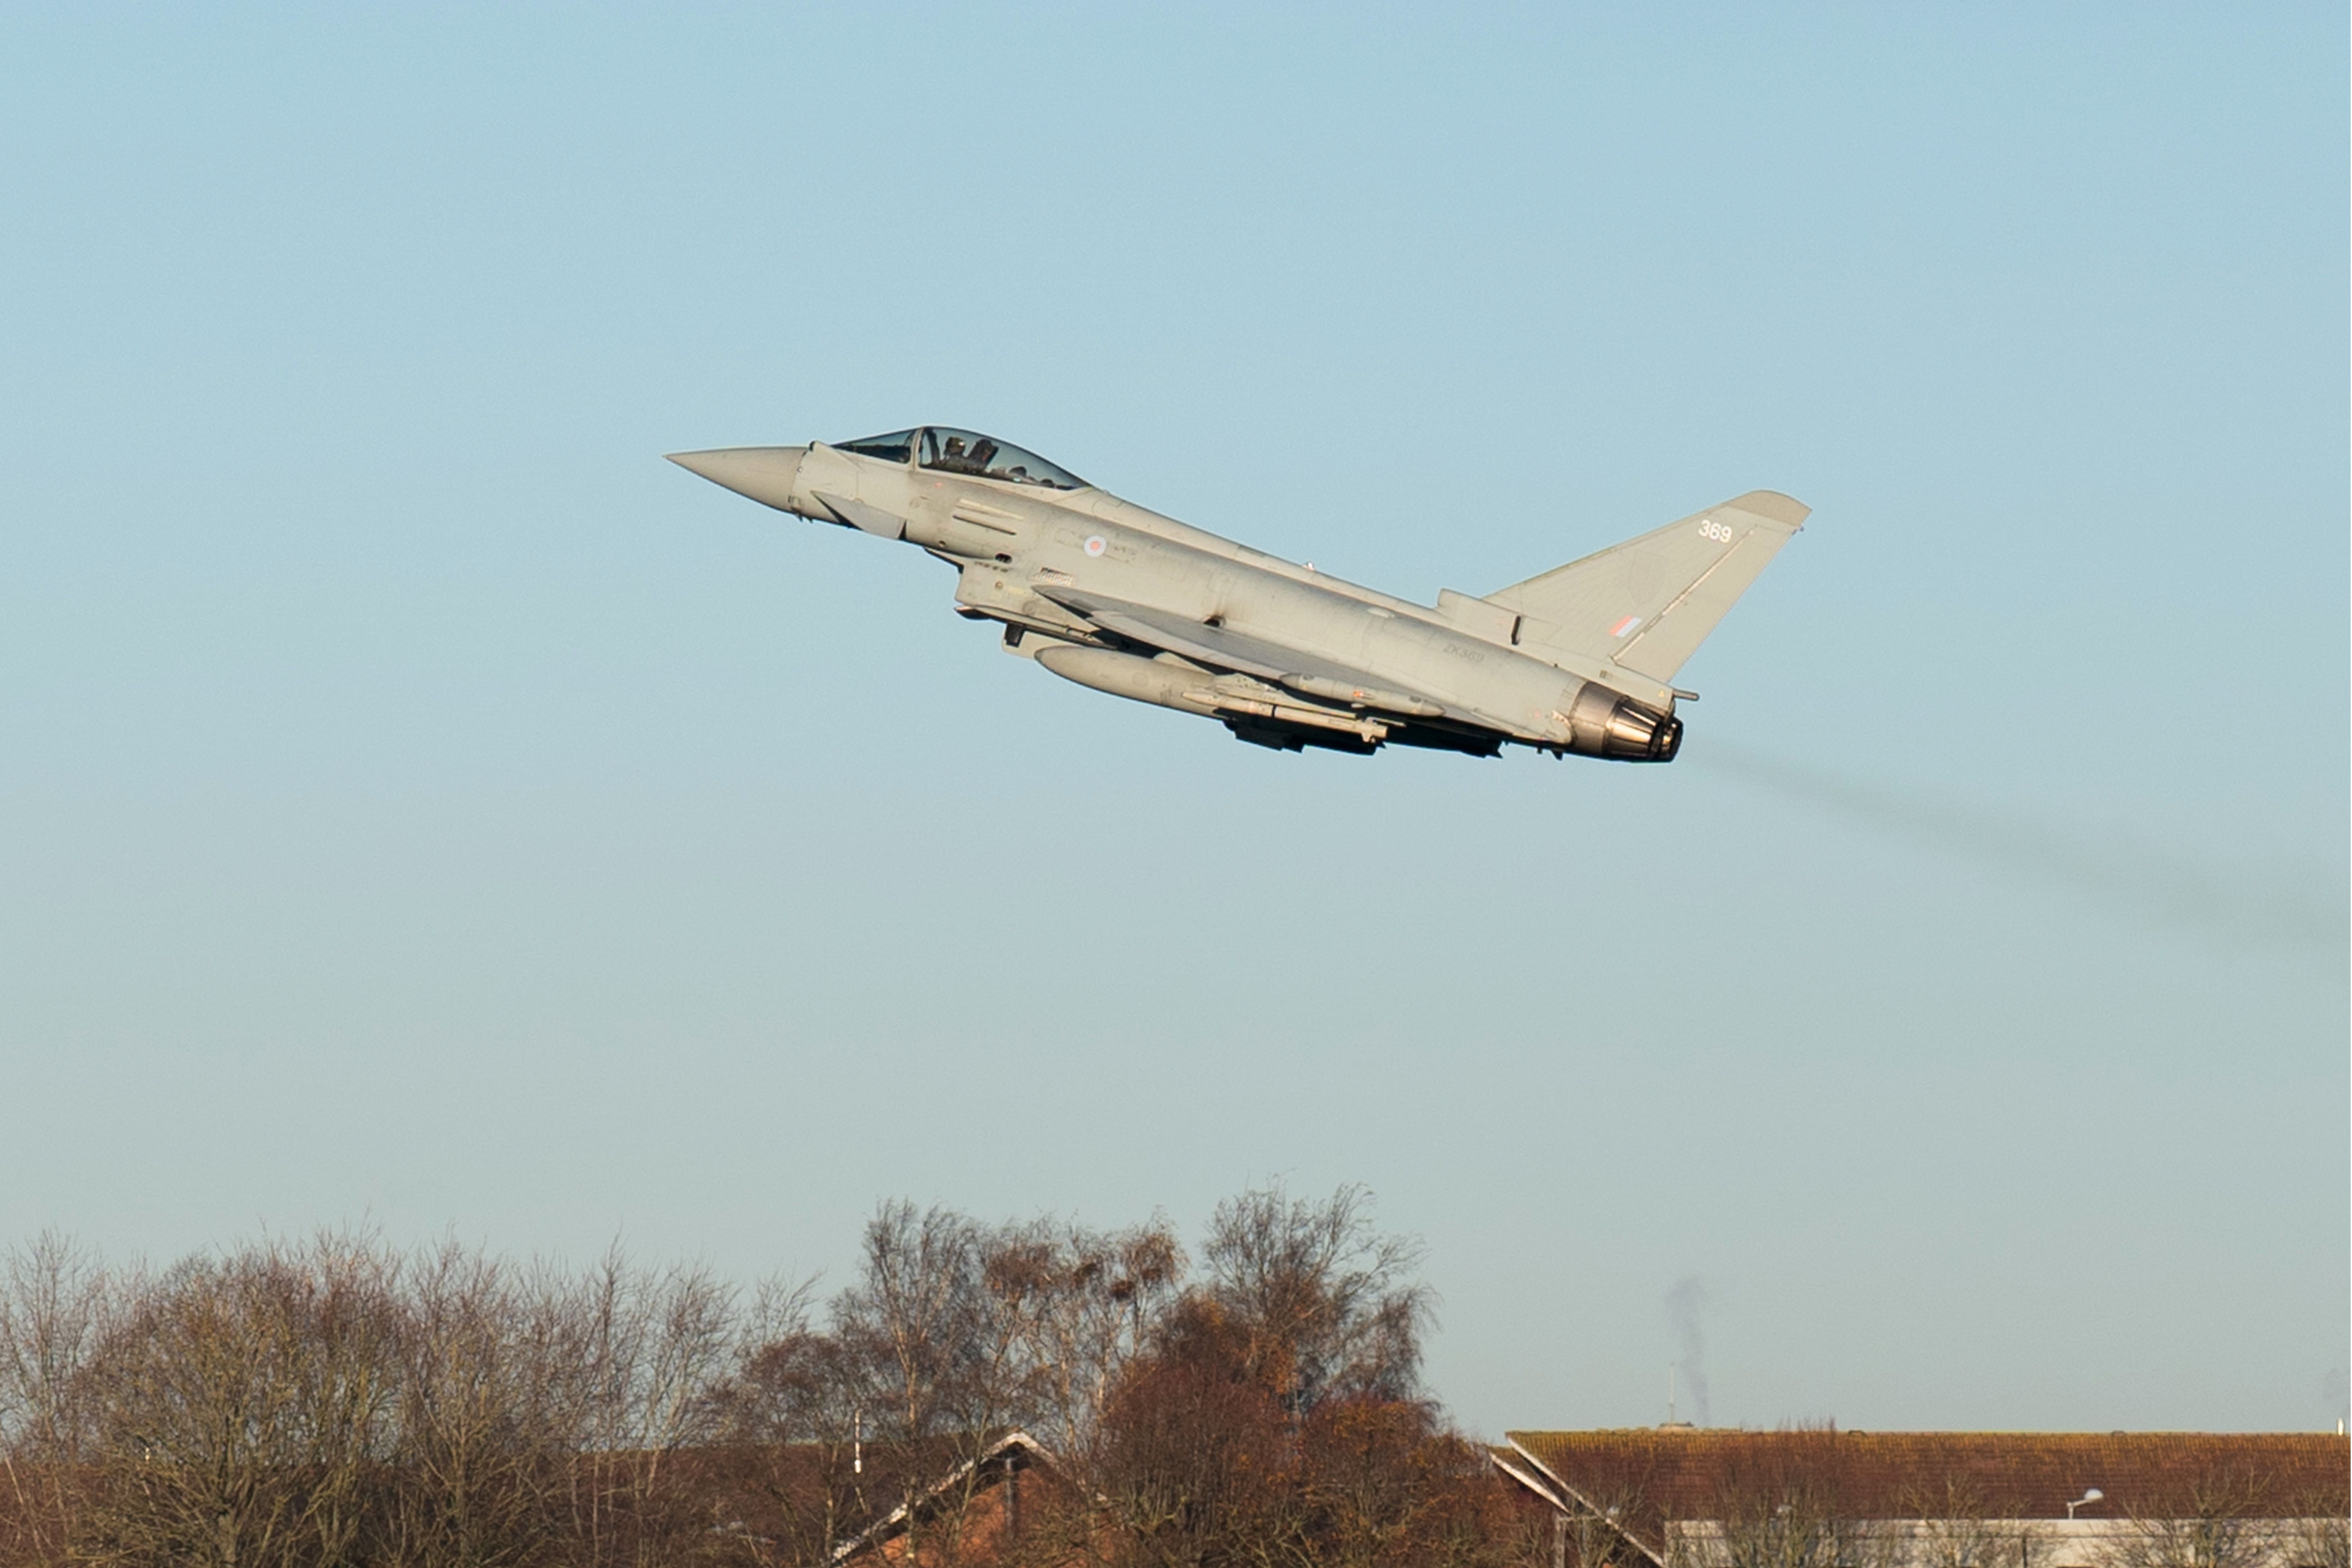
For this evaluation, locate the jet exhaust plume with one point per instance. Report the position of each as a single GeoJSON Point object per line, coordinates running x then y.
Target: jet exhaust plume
{"type": "Point", "coordinates": [2232, 912]}
{"type": "Point", "coordinates": [1684, 1303]}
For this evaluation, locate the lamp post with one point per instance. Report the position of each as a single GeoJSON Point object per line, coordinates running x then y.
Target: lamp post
{"type": "Point", "coordinates": [2091, 1495]}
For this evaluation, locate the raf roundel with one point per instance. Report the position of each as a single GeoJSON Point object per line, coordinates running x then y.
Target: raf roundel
{"type": "Point", "coordinates": [1095, 545]}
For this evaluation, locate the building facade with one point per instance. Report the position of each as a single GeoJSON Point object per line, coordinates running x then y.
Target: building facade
{"type": "Point", "coordinates": [1677, 1497]}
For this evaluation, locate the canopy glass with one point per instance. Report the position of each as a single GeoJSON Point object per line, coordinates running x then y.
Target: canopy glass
{"type": "Point", "coordinates": [896, 448]}
{"type": "Point", "coordinates": [968, 452]}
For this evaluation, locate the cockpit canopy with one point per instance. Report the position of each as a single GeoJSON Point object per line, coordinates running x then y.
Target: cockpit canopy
{"type": "Point", "coordinates": [966, 452]}
{"type": "Point", "coordinates": [897, 447]}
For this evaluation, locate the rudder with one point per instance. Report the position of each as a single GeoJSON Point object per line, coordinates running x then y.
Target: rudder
{"type": "Point", "coordinates": [1648, 603]}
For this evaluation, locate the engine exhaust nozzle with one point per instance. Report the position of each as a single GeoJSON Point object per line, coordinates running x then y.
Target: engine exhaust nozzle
{"type": "Point", "coordinates": [1602, 723]}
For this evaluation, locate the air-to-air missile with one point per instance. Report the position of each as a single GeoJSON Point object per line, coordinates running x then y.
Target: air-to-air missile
{"type": "Point", "coordinates": [1101, 591]}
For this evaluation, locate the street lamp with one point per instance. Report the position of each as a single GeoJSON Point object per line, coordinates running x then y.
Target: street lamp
{"type": "Point", "coordinates": [2091, 1495]}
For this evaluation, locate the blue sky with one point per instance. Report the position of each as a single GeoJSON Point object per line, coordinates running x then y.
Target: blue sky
{"type": "Point", "coordinates": [420, 805]}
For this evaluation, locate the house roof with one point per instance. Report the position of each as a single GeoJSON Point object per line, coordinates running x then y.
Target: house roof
{"type": "Point", "coordinates": [976, 1472]}
{"type": "Point", "coordinates": [1651, 1474]}
{"type": "Point", "coordinates": [829, 1502]}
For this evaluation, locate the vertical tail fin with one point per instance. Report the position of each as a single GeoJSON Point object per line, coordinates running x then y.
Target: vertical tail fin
{"type": "Point", "coordinates": [1648, 603]}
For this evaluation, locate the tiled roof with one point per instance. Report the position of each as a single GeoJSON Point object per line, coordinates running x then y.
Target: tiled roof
{"type": "Point", "coordinates": [1653, 1475]}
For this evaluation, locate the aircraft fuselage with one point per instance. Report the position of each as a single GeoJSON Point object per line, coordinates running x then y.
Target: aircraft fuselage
{"type": "Point", "coordinates": [1125, 600]}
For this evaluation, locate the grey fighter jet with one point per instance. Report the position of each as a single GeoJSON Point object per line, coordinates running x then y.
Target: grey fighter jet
{"type": "Point", "coordinates": [1099, 590]}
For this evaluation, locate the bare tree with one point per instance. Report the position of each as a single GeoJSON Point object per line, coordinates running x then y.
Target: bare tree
{"type": "Point", "coordinates": [641, 1352]}
{"type": "Point", "coordinates": [1273, 1418]}
{"type": "Point", "coordinates": [1590, 1525]}
{"type": "Point", "coordinates": [2219, 1520]}
{"type": "Point", "coordinates": [1796, 1531]}
{"type": "Point", "coordinates": [789, 1415]}
{"type": "Point", "coordinates": [1385, 1484]}
{"type": "Point", "coordinates": [1953, 1529]}
{"type": "Point", "coordinates": [939, 1355]}
{"type": "Point", "coordinates": [1080, 1304]}
{"type": "Point", "coordinates": [1786, 1508]}
{"type": "Point", "coordinates": [484, 1455]}
{"type": "Point", "coordinates": [1195, 1464]}
{"type": "Point", "coordinates": [238, 1407]}
{"type": "Point", "coordinates": [1329, 1305]}
{"type": "Point", "coordinates": [2316, 1537]}
{"type": "Point", "coordinates": [337, 1402]}
{"type": "Point", "coordinates": [54, 1302]}
{"type": "Point", "coordinates": [914, 1315]}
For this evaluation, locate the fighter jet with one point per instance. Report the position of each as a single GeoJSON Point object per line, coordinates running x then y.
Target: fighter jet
{"type": "Point", "coordinates": [1102, 592]}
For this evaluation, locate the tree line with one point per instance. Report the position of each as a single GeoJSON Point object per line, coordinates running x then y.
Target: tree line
{"type": "Point", "coordinates": [1256, 1402]}
{"type": "Point", "coordinates": [339, 1401]}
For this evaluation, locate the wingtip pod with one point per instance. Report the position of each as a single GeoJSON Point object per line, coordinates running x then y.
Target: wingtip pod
{"type": "Point", "coordinates": [1775, 506]}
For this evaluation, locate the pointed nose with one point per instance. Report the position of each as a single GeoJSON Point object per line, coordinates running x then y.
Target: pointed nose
{"type": "Point", "coordinates": [763, 473]}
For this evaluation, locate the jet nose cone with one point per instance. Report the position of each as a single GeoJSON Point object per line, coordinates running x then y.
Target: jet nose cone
{"type": "Point", "coordinates": [763, 473]}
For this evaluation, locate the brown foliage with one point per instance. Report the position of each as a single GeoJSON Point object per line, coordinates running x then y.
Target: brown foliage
{"type": "Point", "coordinates": [1209, 1459]}
{"type": "Point", "coordinates": [1193, 1451]}
{"type": "Point", "coordinates": [1384, 1482]}
{"type": "Point", "coordinates": [339, 1404]}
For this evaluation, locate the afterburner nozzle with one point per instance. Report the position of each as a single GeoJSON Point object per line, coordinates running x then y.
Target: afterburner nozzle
{"type": "Point", "coordinates": [1604, 724]}
{"type": "Point", "coordinates": [765, 474]}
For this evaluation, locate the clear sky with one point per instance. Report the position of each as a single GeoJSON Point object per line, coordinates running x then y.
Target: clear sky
{"type": "Point", "coordinates": [420, 805]}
